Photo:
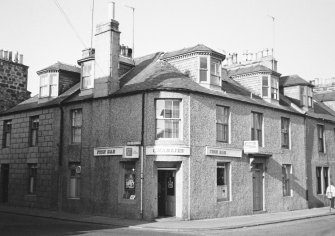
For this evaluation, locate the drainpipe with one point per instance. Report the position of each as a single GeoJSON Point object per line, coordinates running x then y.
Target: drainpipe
{"type": "Point", "coordinates": [142, 152]}
{"type": "Point", "coordinates": [60, 160]}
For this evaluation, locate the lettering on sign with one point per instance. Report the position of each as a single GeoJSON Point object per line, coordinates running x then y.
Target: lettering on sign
{"type": "Point", "coordinates": [216, 151]}
{"type": "Point", "coordinates": [108, 151]}
{"type": "Point", "coordinates": [169, 150]}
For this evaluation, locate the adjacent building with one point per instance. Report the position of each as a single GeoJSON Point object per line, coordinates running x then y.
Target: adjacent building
{"type": "Point", "coordinates": [13, 80]}
{"type": "Point", "coordinates": [167, 134]}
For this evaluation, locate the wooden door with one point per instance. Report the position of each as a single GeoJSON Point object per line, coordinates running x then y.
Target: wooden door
{"type": "Point", "coordinates": [257, 184]}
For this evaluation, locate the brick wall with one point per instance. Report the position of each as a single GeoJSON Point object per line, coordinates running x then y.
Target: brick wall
{"type": "Point", "coordinates": [13, 84]}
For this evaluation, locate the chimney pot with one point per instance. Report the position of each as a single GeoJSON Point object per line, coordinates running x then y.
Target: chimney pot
{"type": "Point", "coordinates": [16, 59]}
{"type": "Point", "coordinates": [21, 59]}
{"type": "Point", "coordinates": [1, 54]}
{"type": "Point", "coordinates": [5, 55]}
{"type": "Point", "coordinates": [10, 56]}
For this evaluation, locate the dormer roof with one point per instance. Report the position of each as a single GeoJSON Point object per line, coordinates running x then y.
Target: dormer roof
{"type": "Point", "coordinates": [251, 69]}
{"type": "Point", "coordinates": [60, 66]}
{"type": "Point", "coordinates": [293, 80]}
{"type": "Point", "coordinates": [200, 48]}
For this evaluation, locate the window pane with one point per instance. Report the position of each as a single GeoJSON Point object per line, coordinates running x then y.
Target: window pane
{"type": "Point", "coordinates": [203, 63]}
{"type": "Point", "coordinates": [265, 91]}
{"type": "Point", "coordinates": [175, 129]}
{"type": "Point", "coordinates": [203, 75]}
{"type": "Point", "coordinates": [160, 124]}
{"type": "Point", "coordinates": [223, 182]}
{"type": "Point", "coordinates": [265, 81]}
{"type": "Point", "coordinates": [175, 109]}
{"type": "Point", "coordinates": [318, 180]}
{"type": "Point", "coordinates": [160, 105]}
{"type": "Point", "coordinates": [219, 132]}
{"type": "Point", "coordinates": [129, 181]}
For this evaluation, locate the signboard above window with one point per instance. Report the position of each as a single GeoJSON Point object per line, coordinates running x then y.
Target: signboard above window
{"type": "Point", "coordinates": [251, 146]}
{"type": "Point", "coordinates": [125, 152]}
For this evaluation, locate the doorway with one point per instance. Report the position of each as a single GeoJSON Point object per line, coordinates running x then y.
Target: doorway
{"type": "Point", "coordinates": [4, 182]}
{"type": "Point", "coordinates": [166, 193]}
{"type": "Point", "coordinates": [257, 186]}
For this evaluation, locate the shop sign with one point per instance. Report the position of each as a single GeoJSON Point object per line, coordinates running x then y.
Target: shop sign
{"type": "Point", "coordinates": [131, 152]}
{"type": "Point", "coordinates": [108, 151]}
{"type": "Point", "coordinates": [251, 146]}
{"type": "Point", "coordinates": [225, 152]}
{"type": "Point", "coordinates": [168, 150]}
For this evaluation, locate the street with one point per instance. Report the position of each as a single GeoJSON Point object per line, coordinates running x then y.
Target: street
{"type": "Point", "coordinates": [13, 224]}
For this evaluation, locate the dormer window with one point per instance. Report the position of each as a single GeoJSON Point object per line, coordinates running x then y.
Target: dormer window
{"type": "Point", "coordinates": [203, 69]}
{"type": "Point", "coordinates": [274, 88]}
{"type": "Point", "coordinates": [215, 72]}
{"type": "Point", "coordinates": [49, 84]}
{"type": "Point", "coordinates": [268, 83]}
{"type": "Point", "coordinates": [87, 75]}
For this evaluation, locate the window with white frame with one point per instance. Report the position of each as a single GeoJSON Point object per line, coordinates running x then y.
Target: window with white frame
{"type": "Point", "coordinates": [87, 75]}
{"type": "Point", "coordinates": [265, 86]}
{"type": "Point", "coordinates": [215, 72]}
{"type": "Point", "coordinates": [168, 118]}
{"type": "Point", "coordinates": [32, 169]}
{"type": "Point", "coordinates": [74, 180]}
{"type": "Point", "coordinates": [322, 179]}
{"type": "Point", "coordinates": [76, 125]}
{"type": "Point", "coordinates": [49, 84]}
{"type": "Point", "coordinates": [321, 144]}
{"type": "Point", "coordinates": [310, 97]}
{"type": "Point", "coordinates": [7, 130]}
{"type": "Point", "coordinates": [203, 69]}
{"type": "Point", "coordinates": [274, 88]}
{"type": "Point", "coordinates": [222, 124]}
{"type": "Point", "coordinates": [223, 181]}
{"type": "Point", "coordinates": [303, 95]}
{"type": "Point", "coordinates": [286, 176]}
{"type": "Point", "coordinates": [256, 127]}
{"type": "Point", "coordinates": [285, 132]}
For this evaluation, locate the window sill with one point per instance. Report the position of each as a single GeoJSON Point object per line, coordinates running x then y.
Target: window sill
{"type": "Point", "coordinates": [288, 196]}
{"type": "Point", "coordinates": [73, 198]}
{"type": "Point", "coordinates": [222, 200]}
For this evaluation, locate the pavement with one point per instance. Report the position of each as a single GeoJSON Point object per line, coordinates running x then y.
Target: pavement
{"type": "Point", "coordinates": [175, 224]}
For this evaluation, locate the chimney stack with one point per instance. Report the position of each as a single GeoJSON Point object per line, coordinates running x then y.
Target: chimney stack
{"type": "Point", "coordinates": [107, 52]}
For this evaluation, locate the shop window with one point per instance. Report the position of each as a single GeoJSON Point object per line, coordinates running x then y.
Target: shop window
{"type": "Point", "coordinates": [223, 181]}
{"type": "Point", "coordinates": [215, 72]}
{"type": "Point", "coordinates": [286, 176]}
{"type": "Point", "coordinates": [34, 124]}
{"type": "Point", "coordinates": [32, 169]}
{"type": "Point", "coordinates": [168, 120]}
{"type": "Point", "coordinates": [321, 145]}
{"type": "Point", "coordinates": [256, 128]}
{"type": "Point", "coordinates": [74, 184]}
{"type": "Point", "coordinates": [203, 69]}
{"type": "Point", "coordinates": [87, 75]}
{"type": "Point", "coordinates": [7, 130]}
{"type": "Point", "coordinates": [76, 125]}
{"type": "Point", "coordinates": [265, 86]}
{"type": "Point", "coordinates": [49, 85]}
{"type": "Point", "coordinates": [285, 132]}
{"type": "Point", "coordinates": [322, 179]}
{"type": "Point", "coordinates": [222, 124]}
{"type": "Point", "coordinates": [129, 181]}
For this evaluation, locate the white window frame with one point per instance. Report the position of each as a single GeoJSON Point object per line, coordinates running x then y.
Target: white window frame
{"type": "Point", "coordinates": [180, 126]}
{"type": "Point", "coordinates": [49, 85]}
{"type": "Point", "coordinates": [217, 71]}
{"type": "Point", "coordinates": [261, 144]}
{"type": "Point", "coordinates": [323, 188]}
{"type": "Point", "coordinates": [89, 76]}
{"type": "Point", "coordinates": [227, 166]}
{"type": "Point", "coordinates": [75, 126]}
{"type": "Point", "coordinates": [274, 87]}
{"type": "Point", "coordinates": [228, 124]}
{"type": "Point", "coordinates": [266, 86]}
{"type": "Point", "coordinates": [289, 133]}
{"type": "Point", "coordinates": [204, 69]}
{"type": "Point", "coordinates": [309, 97]}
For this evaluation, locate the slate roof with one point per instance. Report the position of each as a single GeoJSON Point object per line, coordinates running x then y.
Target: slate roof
{"type": "Point", "coordinates": [250, 69]}
{"type": "Point", "coordinates": [32, 103]}
{"type": "Point", "coordinates": [60, 66]}
{"type": "Point", "coordinates": [197, 48]}
{"type": "Point", "coordinates": [292, 80]}
{"type": "Point", "coordinates": [324, 97]}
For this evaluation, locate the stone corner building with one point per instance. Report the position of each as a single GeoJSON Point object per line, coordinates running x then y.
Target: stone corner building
{"type": "Point", "coordinates": [13, 80]}
{"type": "Point", "coordinates": [168, 134]}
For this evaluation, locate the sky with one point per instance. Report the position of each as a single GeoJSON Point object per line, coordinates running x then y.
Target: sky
{"type": "Point", "coordinates": [303, 38]}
